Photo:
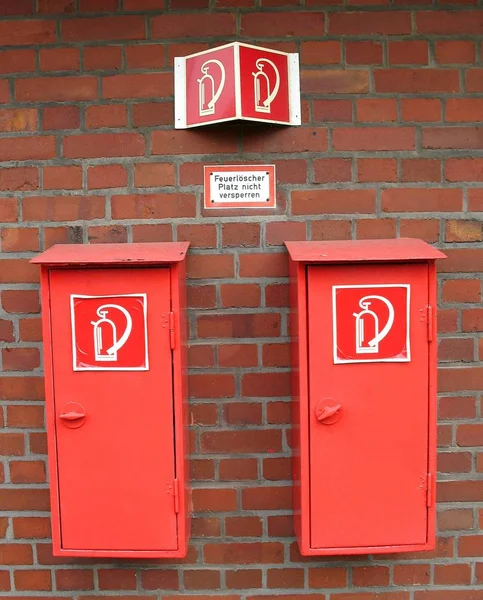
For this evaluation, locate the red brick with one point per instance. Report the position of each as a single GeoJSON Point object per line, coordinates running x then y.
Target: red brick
{"type": "Point", "coordinates": [241, 234]}
{"type": "Point", "coordinates": [151, 114]}
{"type": "Point", "coordinates": [39, 580]}
{"type": "Point", "coordinates": [243, 579]}
{"type": "Point", "coordinates": [240, 295]}
{"type": "Point", "coordinates": [263, 265]}
{"type": "Point", "coordinates": [25, 32]}
{"type": "Point", "coordinates": [321, 53]}
{"type": "Point", "coordinates": [30, 330]}
{"type": "Point", "coordinates": [101, 145]}
{"type": "Point", "coordinates": [117, 579]}
{"type": "Point", "coordinates": [460, 378]}
{"type": "Point", "coordinates": [104, 28]}
{"type": "Point", "coordinates": [178, 26]}
{"type": "Point", "coordinates": [376, 169]}
{"type": "Point", "coordinates": [455, 519]}
{"type": "Point", "coordinates": [332, 110]}
{"type": "Point", "coordinates": [211, 385]}
{"type": "Point", "coordinates": [421, 200]}
{"type": "Point", "coordinates": [457, 462]}
{"type": "Point", "coordinates": [266, 384]}
{"type": "Point", "coordinates": [25, 416]}
{"type": "Point", "coordinates": [286, 24]}
{"type": "Point", "coordinates": [448, 52]}
{"type": "Point", "coordinates": [244, 553]}
{"type": "Point", "coordinates": [201, 470]}
{"type": "Point", "coordinates": [279, 232]}
{"type": "Point", "coordinates": [74, 579]}
{"type": "Point", "coordinates": [16, 120]}
{"type": "Point", "coordinates": [245, 441]}
{"type": "Point", "coordinates": [59, 59]}
{"type": "Point", "coordinates": [153, 206]}
{"type": "Point", "coordinates": [214, 499]}
{"type": "Point", "coordinates": [450, 22]}
{"type": "Point", "coordinates": [374, 138]}
{"type": "Point", "coordinates": [22, 7]}
{"type": "Point", "coordinates": [63, 208]}
{"type": "Point", "coordinates": [464, 109]}
{"type": "Point", "coordinates": [285, 578]}
{"type": "Point", "coordinates": [112, 234]}
{"type": "Point", "coordinates": [238, 355]}
{"type": "Point", "coordinates": [474, 80]}
{"type": "Point", "coordinates": [18, 271]}
{"type": "Point", "coordinates": [425, 229]}
{"type": "Point", "coordinates": [243, 526]}
{"type": "Point", "coordinates": [27, 148]}
{"type": "Point", "coordinates": [51, 7]}
{"type": "Point", "coordinates": [372, 576]}
{"type": "Point", "coordinates": [239, 325]}
{"type": "Point", "coordinates": [370, 23]}
{"type": "Point", "coordinates": [17, 61]}
{"type": "Point", "coordinates": [410, 81]}
{"type": "Point", "coordinates": [328, 170]}
{"type": "Point", "coordinates": [56, 89]}
{"type": "Point", "coordinates": [331, 230]}
{"type": "Point", "coordinates": [267, 498]}
{"type": "Point", "coordinates": [154, 174]}
{"type": "Point", "coordinates": [329, 81]}
{"type": "Point", "coordinates": [4, 91]}
{"type": "Point", "coordinates": [31, 527]}
{"type": "Point", "coordinates": [159, 579]}
{"type": "Point", "coordinates": [277, 469]}
{"type": "Point", "coordinates": [413, 574]}
{"type": "Point", "coordinates": [141, 85]}
{"type": "Point", "coordinates": [363, 52]}
{"type": "Point", "coordinates": [324, 577]}
{"type": "Point", "coordinates": [12, 444]}
{"type": "Point", "coordinates": [106, 176]}
{"type": "Point", "coordinates": [199, 236]}
{"type": "Point", "coordinates": [146, 56]}
{"type": "Point", "coordinates": [109, 58]}
{"type": "Point", "coordinates": [408, 52]}
{"type": "Point", "coordinates": [461, 290]}
{"type": "Point", "coordinates": [376, 110]}
{"type": "Point", "coordinates": [16, 554]}
{"type": "Point", "coordinates": [61, 117]}
{"type": "Point", "coordinates": [463, 231]}
{"type": "Point", "coordinates": [88, 6]}
{"type": "Point", "coordinates": [370, 229]}
{"type": "Point", "coordinates": [20, 359]}
{"type": "Point", "coordinates": [289, 139]}
{"type": "Point", "coordinates": [192, 142]}
{"type": "Point", "coordinates": [16, 179]}
{"type": "Point", "coordinates": [457, 574]}
{"type": "Point", "coordinates": [420, 109]}
{"type": "Point", "coordinates": [28, 472]}
{"type": "Point", "coordinates": [454, 138]}
{"type": "Point", "coordinates": [108, 115]}
{"type": "Point", "coordinates": [62, 178]}
{"type": "Point", "coordinates": [202, 579]}
{"type": "Point", "coordinates": [242, 413]}
{"type": "Point", "coordinates": [333, 201]}
{"type": "Point", "coordinates": [202, 296]}
{"type": "Point", "coordinates": [240, 469]}
{"type": "Point", "coordinates": [20, 240]}
{"type": "Point", "coordinates": [210, 266]}
{"type": "Point", "coordinates": [6, 331]}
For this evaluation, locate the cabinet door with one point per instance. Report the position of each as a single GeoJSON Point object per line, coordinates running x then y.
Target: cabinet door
{"type": "Point", "coordinates": [112, 363]}
{"type": "Point", "coordinates": [368, 354]}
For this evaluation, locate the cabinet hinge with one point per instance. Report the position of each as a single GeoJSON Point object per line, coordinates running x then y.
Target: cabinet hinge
{"type": "Point", "coordinates": [430, 323]}
{"type": "Point", "coordinates": [172, 337]}
{"type": "Point", "coordinates": [176, 495]}
{"type": "Point", "coordinates": [429, 490]}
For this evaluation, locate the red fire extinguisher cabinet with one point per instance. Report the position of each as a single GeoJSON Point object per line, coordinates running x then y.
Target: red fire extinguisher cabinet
{"type": "Point", "coordinates": [114, 351]}
{"type": "Point", "coordinates": [363, 332]}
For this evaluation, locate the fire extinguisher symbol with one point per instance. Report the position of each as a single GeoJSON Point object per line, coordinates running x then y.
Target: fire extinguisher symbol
{"type": "Point", "coordinates": [208, 96]}
{"type": "Point", "coordinates": [265, 94]}
{"type": "Point", "coordinates": [107, 342]}
{"type": "Point", "coordinates": [368, 331]}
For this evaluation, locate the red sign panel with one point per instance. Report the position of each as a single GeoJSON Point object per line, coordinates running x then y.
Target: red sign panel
{"type": "Point", "coordinates": [109, 333]}
{"type": "Point", "coordinates": [371, 323]}
{"type": "Point", "coordinates": [210, 79]}
{"type": "Point", "coordinates": [264, 84]}
{"type": "Point", "coordinates": [237, 81]}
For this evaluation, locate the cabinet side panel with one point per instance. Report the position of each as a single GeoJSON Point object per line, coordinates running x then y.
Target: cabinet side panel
{"type": "Point", "coordinates": [433, 406]}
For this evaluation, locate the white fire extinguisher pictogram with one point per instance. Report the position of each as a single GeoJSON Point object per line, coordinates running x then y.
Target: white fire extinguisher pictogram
{"type": "Point", "coordinates": [106, 340]}
{"type": "Point", "coordinates": [264, 93]}
{"type": "Point", "coordinates": [368, 332]}
{"type": "Point", "coordinates": [208, 97]}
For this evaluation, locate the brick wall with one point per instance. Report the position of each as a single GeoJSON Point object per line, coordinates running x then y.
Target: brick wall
{"type": "Point", "coordinates": [391, 144]}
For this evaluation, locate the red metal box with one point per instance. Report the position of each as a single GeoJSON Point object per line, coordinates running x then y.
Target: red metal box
{"type": "Point", "coordinates": [114, 351]}
{"type": "Point", "coordinates": [363, 330]}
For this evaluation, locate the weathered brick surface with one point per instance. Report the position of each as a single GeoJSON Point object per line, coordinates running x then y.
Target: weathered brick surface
{"type": "Point", "coordinates": [391, 145]}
